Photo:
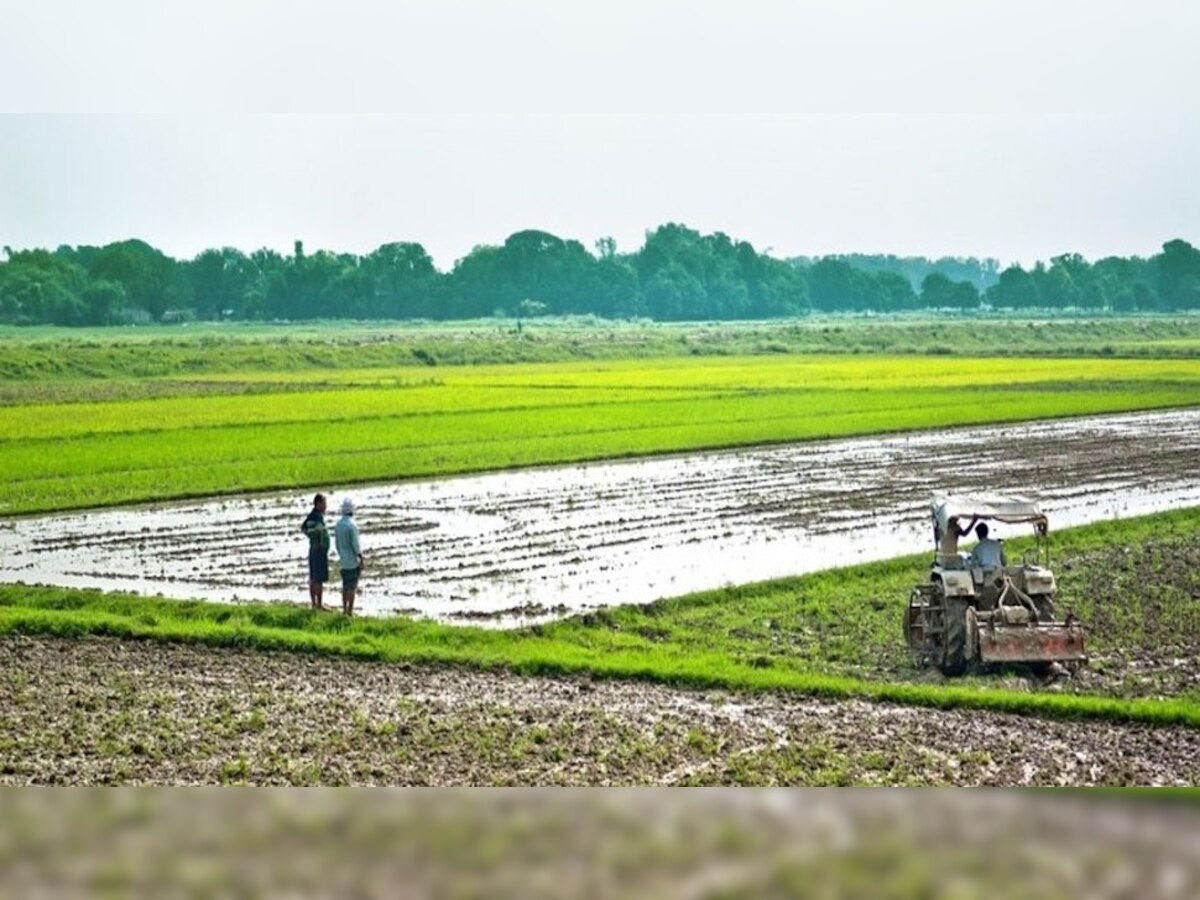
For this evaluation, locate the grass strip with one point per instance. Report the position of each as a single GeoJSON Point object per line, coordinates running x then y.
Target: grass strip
{"type": "Point", "coordinates": [36, 354]}
{"type": "Point", "coordinates": [528, 655]}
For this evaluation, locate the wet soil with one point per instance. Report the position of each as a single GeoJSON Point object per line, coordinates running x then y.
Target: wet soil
{"type": "Point", "coordinates": [1141, 603]}
{"type": "Point", "coordinates": [101, 711]}
{"type": "Point", "coordinates": [517, 547]}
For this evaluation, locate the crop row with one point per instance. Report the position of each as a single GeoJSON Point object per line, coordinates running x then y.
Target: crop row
{"type": "Point", "coordinates": [836, 371]}
{"type": "Point", "coordinates": [34, 422]}
{"type": "Point", "coordinates": [571, 385]}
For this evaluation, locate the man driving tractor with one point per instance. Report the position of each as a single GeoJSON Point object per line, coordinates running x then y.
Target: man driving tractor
{"type": "Point", "coordinates": [989, 552]}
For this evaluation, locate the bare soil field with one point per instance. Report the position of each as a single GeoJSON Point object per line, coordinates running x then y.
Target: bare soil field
{"type": "Point", "coordinates": [105, 712]}
{"type": "Point", "coordinates": [525, 546]}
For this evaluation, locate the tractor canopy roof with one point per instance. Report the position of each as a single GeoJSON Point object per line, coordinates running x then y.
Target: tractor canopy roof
{"type": "Point", "coordinates": [1010, 508]}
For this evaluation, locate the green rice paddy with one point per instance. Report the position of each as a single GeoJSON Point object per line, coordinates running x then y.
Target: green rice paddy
{"type": "Point", "coordinates": [262, 431]}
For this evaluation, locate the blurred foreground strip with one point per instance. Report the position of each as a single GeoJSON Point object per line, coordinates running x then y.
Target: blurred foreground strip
{"type": "Point", "coordinates": [533, 843]}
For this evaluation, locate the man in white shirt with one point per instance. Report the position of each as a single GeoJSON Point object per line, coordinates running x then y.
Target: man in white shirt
{"type": "Point", "coordinates": [349, 555]}
{"type": "Point", "coordinates": [989, 552]}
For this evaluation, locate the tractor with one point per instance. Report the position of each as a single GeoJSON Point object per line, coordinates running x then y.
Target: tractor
{"type": "Point", "coordinates": [981, 608]}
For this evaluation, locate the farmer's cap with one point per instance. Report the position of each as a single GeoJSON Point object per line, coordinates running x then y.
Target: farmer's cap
{"type": "Point", "coordinates": [347, 507]}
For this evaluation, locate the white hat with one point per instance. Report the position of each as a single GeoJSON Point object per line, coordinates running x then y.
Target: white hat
{"type": "Point", "coordinates": [347, 507]}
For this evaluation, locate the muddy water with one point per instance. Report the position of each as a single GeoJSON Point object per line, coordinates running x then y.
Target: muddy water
{"type": "Point", "coordinates": [514, 547]}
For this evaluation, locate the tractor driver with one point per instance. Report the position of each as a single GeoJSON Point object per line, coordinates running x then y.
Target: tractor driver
{"type": "Point", "coordinates": [989, 552]}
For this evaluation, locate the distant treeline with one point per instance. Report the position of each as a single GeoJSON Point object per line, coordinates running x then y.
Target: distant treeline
{"type": "Point", "coordinates": [980, 272]}
{"type": "Point", "coordinates": [678, 274]}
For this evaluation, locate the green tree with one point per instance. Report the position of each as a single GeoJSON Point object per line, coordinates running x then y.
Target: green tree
{"type": "Point", "coordinates": [1015, 289]}
{"type": "Point", "coordinates": [780, 289]}
{"type": "Point", "coordinates": [403, 281]}
{"type": "Point", "coordinates": [219, 281]}
{"type": "Point", "coordinates": [102, 301]}
{"type": "Point", "coordinates": [148, 277]}
{"type": "Point", "coordinates": [673, 293]}
{"type": "Point", "coordinates": [836, 285]}
{"type": "Point", "coordinates": [39, 287]}
{"type": "Point", "coordinates": [939, 292]}
{"type": "Point", "coordinates": [892, 293]}
{"type": "Point", "coordinates": [1178, 269]}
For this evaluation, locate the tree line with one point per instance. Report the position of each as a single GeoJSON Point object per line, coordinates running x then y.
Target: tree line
{"type": "Point", "coordinates": [982, 273]}
{"type": "Point", "coordinates": [678, 274]}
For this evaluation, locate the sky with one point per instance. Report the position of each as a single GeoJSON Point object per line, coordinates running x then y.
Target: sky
{"type": "Point", "coordinates": [1018, 130]}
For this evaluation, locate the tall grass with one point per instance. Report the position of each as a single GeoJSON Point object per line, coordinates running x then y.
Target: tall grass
{"type": "Point", "coordinates": [36, 354]}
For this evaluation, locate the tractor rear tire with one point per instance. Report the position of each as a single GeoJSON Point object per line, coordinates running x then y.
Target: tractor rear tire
{"type": "Point", "coordinates": [954, 638]}
{"type": "Point", "coordinates": [916, 617]}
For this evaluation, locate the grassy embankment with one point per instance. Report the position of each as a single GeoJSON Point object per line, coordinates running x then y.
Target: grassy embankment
{"type": "Point", "coordinates": [159, 439]}
{"type": "Point", "coordinates": [37, 353]}
{"type": "Point", "coordinates": [833, 634]}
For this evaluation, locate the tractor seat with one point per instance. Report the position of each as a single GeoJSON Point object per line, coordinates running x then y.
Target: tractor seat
{"type": "Point", "coordinates": [993, 575]}
{"type": "Point", "coordinates": [952, 560]}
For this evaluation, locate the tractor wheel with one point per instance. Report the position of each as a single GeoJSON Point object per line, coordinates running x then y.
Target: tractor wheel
{"type": "Point", "coordinates": [915, 618]}
{"type": "Point", "coordinates": [954, 638]}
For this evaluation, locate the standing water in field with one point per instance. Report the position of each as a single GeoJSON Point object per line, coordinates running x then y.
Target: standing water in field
{"type": "Point", "coordinates": [514, 547]}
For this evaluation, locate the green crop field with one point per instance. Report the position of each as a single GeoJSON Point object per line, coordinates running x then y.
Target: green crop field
{"type": "Point", "coordinates": [94, 420]}
{"type": "Point", "coordinates": [157, 440]}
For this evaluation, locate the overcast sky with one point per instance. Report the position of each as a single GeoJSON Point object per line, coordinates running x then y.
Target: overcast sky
{"type": "Point", "coordinates": [1015, 129]}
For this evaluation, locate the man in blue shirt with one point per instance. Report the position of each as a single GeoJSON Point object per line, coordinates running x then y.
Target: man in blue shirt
{"type": "Point", "coordinates": [989, 552]}
{"type": "Point", "coordinates": [349, 554]}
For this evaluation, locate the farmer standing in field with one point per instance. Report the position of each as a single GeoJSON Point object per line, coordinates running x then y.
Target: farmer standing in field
{"type": "Point", "coordinates": [349, 554]}
{"type": "Point", "coordinates": [318, 551]}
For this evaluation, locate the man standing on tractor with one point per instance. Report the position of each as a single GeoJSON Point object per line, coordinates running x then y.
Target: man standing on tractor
{"type": "Point", "coordinates": [948, 542]}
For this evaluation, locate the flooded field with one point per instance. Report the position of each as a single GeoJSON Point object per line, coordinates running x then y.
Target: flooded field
{"type": "Point", "coordinates": [514, 547]}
